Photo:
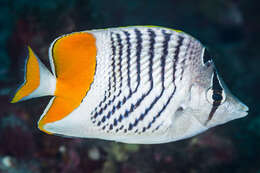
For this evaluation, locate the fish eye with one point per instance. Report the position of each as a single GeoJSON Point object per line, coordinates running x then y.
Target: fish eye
{"type": "Point", "coordinates": [215, 97]}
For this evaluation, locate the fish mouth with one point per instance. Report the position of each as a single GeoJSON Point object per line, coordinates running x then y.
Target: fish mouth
{"type": "Point", "coordinates": [244, 108]}
{"type": "Point", "coordinates": [243, 111]}
{"type": "Point", "coordinates": [243, 114]}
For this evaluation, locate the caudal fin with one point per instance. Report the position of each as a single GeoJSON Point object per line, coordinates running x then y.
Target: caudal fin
{"type": "Point", "coordinates": [38, 80]}
{"type": "Point", "coordinates": [73, 64]}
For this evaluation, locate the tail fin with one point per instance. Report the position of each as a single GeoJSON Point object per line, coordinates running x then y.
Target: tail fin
{"type": "Point", "coordinates": [73, 63]}
{"type": "Point", "coordinates": [38, 80]}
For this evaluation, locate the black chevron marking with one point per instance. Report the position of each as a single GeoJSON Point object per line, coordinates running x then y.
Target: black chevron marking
{"type": "Point", "coordinates": [151, 51]}
{"type": "Point", "coordinates": [120, 103]}
{"type": "Point", "coordinates": [113, 47]}
{"type": "Point", "coordinates": [114, 79]}
{"type": "Point", "coordinates": [120, 63]}
{"type": "Point", "coordinates": [111, 112]}
{"type": "Point", "coordinates": [138, 55]}
{"type": "Point", "coordinates": [176, 55]}
{"type": "Point", "coordinates": [128, 60]}
{"type": "Point", "coordinates": [160, 112]}
{"type": "Point", "coordinates": [150, 73]}
{"type": "Point", "coordinates": [157, 128]}
{"type": "Point", "coordinates": [113, 62]}
{"type": "Point", "coordinates": [184, 60]}
{"type": "Point", "coordinates": [163, 59]}
{"type": "Point", "coordinates": [109, 80]}
{"type": "Point", "coordinates": [139, 101]}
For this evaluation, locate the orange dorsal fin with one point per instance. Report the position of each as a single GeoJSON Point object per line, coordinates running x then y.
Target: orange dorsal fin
{"type": "Point", "coordinates": [74, 58]}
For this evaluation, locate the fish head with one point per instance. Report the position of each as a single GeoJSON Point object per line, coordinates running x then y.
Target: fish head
{"type": "Point", "coordinates": [210, 101]}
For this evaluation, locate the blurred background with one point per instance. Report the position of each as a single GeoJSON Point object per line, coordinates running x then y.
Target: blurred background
{"type": "Point", "coordinates": [229, 28]}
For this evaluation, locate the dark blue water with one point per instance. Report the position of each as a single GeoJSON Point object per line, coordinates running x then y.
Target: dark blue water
{"type": "Point", "coordinates": [229, 28]}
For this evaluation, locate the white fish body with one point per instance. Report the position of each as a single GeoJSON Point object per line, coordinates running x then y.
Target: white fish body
{"type": "Point", "coordinates": [134, 85]}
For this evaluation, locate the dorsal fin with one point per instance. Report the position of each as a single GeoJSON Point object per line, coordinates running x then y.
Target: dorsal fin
{"type": "Point", "coordinates": [74, 63]}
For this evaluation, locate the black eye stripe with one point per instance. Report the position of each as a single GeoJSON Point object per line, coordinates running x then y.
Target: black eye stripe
{"type": "Point", "coordinates": [216, 96]}
{"type": "Point", "coordinates": [206, 56]}
{"type": "Point", "coordinates": [213, 110]}
{"type": "Point", "coordinates": [215, 83]}
{"type": "Point", "coordinates": [217, 89]}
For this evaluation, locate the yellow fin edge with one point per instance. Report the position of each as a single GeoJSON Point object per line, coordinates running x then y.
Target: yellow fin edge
{"type": "Point", "coordinates": [153, 26]}
{"type": "Point", "coordinates": [32, 78]}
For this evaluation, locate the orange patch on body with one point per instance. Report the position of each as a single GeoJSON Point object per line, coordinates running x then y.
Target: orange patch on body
{"type": "Point", "coordinates": [74, 58]}
{"type": "Point", "coordinates": [32, 77]}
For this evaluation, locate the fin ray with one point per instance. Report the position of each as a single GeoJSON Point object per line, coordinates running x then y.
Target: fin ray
{"type": "Point", "coordinates": [38, 81]}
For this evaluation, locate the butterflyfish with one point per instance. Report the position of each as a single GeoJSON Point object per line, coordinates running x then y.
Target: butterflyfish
{"type": "Point", "coordinates": [137, 84]}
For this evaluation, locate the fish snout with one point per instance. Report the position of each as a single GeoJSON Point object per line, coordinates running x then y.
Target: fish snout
{"type": "Point", "coordinates": [241, 109]}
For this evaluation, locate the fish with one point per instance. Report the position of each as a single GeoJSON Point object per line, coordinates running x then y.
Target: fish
{"type": "Point", "coordinates": [135, 84]}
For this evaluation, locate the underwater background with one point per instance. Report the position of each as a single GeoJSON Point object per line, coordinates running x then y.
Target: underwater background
{"type": "Point", "coordinates": [229, 28]}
